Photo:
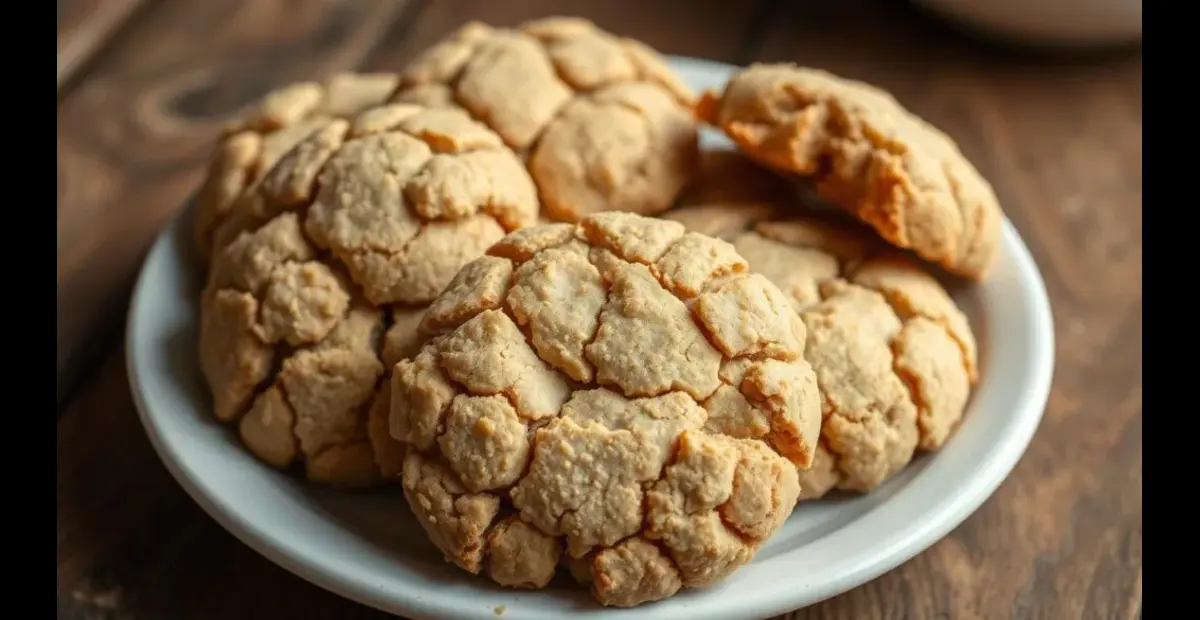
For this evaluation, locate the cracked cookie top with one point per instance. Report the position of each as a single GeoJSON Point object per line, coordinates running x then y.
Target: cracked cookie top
{"type": "Point", "coordinates": [331, 219]}
{"type": "Point", "coordinates": [293, 355]}
{"type": "Point", "coordinates": [586, 390]}
{"type": "Point", "coordinates": [604, 122]}
{"type": "Point", "coordinates": [267, 130]}
{"type": "Point", "coordinates": [894, 357]}
{"type": "Point", "coordinates": [401, 196]}
{"type": "Point", "coordinates": [867, 154]}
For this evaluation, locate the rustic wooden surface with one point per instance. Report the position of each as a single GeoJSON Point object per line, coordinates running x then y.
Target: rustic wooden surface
{"type": "Point", "coordinates": [143, 84]}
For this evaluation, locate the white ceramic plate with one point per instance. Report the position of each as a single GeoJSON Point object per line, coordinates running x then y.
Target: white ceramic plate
{"type": "Point", "coordinates": [367, 547]}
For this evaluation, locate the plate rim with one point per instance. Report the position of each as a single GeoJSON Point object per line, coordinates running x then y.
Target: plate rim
{"type": "Point", "coordinates": [1028, 407]}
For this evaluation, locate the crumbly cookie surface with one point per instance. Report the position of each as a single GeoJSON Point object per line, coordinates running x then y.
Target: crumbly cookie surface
{"type": "Point", "coordinates": [583, 392]}
{"type": "Point", "coordinates": [270, 128]}
{"type": "Point", "coordinates": [867, 154]}
{"type": "Point", "coordinates": [324, 248]}
{"type": "Point", "coordinates": [605, 124]}
{"type": "Point", "coordinates": [894, 357]}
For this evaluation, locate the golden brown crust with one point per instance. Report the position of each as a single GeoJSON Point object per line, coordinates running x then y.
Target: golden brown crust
{"type": "Point", "coordinates": [868, 154]}
{"type": "Point", "coordinates": [265, 131]}
{"type": "Point", "coordinates": [894, 357]}
{"type": "Point", "coordinates": [577, 375]}
{"type": "Point", "coordinates": [605, 122]}
{"type": "Point", "coordinates": [327, 216]}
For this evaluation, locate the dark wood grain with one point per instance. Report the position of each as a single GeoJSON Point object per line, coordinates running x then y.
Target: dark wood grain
{"type": "Point", "coordinates": [1060, 141]}
{"type": "Point", "coordinates": [134, 136]}
{"type": "Point", "coordinates": [84, 26]}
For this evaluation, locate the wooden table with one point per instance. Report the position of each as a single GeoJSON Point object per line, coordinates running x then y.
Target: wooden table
{"type": "Point", "coordinates": [142, 86]}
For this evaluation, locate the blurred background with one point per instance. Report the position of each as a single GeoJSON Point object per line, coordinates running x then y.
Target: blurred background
{"type": "Point", "coordinates": [1044, 96]}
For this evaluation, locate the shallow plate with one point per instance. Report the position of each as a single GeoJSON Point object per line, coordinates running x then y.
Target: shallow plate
{"type": "Point", "coordinates": [367, 547]}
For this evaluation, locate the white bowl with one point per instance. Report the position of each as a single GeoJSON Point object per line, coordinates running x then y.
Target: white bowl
{"type": "Point", "coordinates": [1058, 23]}
{"type": "Point", "coordinates": [367, 547]}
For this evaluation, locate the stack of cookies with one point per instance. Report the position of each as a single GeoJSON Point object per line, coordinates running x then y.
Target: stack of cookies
{"type": "Point", "coordinates": [508, 279]}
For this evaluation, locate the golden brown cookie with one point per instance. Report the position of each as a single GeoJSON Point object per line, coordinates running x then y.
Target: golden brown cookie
{"type": "Point", "coordinates": [620, 390]}
{"type": "Point", "coordinates": [268, 129]}
{"type": "Point", "coordinates": [605, 124]}
{"type": "Point", "coordinates": [352, 229]}
{"type": "Point", "coordinates": [867, 154]}
{"type": "Point", "coordinates": [401, 196]}
{"type": "Point", "coordinates": [895, 358]}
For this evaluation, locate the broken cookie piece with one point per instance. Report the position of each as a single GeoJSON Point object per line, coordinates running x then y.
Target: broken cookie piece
{"type": "Point", "coordinates": [605, 123]}
{"type": "Point", "coordinates": [571, 400]}
{"type": "Point", "coordinates": [867, 154]}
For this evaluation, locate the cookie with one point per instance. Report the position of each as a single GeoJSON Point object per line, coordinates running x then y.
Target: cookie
{"type": "Point", "coordinates": [726, 176]}
{"type": "Point", "coordinates": [401, 196]}
{"type": "Point", "coordinates": [895, 358]}
{"type": "Point", "coordinates": [322, 267]}
{"type": "Point", "coordinates": [867, 154]}
{"type": "Point", "coordinates": [605, 124]}
{"type": "Point", "coordinates": [574, 398]}
{"type": "Point", "coordinates": [267, 130]}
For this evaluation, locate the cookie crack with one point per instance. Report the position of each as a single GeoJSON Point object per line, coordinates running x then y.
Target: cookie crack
{"type": "Point", "coordinates": [279, 354]}
{"type": "Point", "coordinates": [840, 462]}
{"type": "Point", "coordinates": [508, 393]}
{"type": "Point", "coordinates": [912, 387]}
{"type": "Point", "coordinates": [361, 413]}
{"type": "Point", "coordinates": [776, 420]}
{"type": "Point", "coordinates": [526, 330]}
{"type": "Point", "coordinates": [287, 399]}
{"type": "Point", "coordinates": [726, 275]}
{"type": "Point", "coordinates": [472, 545]}
{"type": "Point", "coordinates": [639, 172]}
{"type": "Point", "coordinates": [259, 319]}
{"type": "Point", "coordinates": [732, 529]}
{"type": "Point", "coordinates": [644, 76]}
{"type": "Point", "coordinates": [424, 168]}
{"type": "Point", "coordinates": [610, 483]}
{"type": "Point", "coordinates": [839, 126]}
{"type": "Point", "coordinates": [379, 334]}
{"type": "Point", "coordinates": [596, 333]}
{"type": "Point", "coordinates": [486, 119]}
{"type": "Point", "coordinates": [662, 548]}
{"type": "Point", "coordinates": [608, 285]}
{"type": "Point", "coordinates": [383, 251]}
{"type": "Point", "coordinates": [562, 76]}
{"type": "Point", "coordinates": [428, 137]}
{"type": "Point", "coordinates": [907, 311]}
{"type": "Point", "coordinates": [835, 459]}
